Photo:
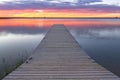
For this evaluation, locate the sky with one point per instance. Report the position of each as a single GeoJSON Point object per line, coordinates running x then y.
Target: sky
{"type": "Point", "coordinates": [59, 8]}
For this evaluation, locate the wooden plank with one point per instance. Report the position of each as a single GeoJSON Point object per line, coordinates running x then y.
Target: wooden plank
{"type": "Point", "coordinates": [60, 57]}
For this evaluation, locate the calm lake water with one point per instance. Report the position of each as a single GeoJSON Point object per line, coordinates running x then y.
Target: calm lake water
{"type": "Point", "coordinates": [100, 38]}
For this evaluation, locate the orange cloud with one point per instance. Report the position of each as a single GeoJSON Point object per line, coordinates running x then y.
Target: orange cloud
{"type": "Point", "coordinates": [56, 13]}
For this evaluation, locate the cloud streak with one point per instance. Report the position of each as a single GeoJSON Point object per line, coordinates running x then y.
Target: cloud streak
{"type": "Point", "coordinates": [92, 5]}
{"type": "Point", "coordinates": [25, 4]}
{"type": "Point", "coordinates": [107, 2]}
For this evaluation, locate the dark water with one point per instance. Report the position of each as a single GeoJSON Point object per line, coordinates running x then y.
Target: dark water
{"type": "Point", "coordinates": [102, 44]}
{"type": "Point", "coordinates": [100, 38]}
{"type": "Point", "coordinates": [17, 42]}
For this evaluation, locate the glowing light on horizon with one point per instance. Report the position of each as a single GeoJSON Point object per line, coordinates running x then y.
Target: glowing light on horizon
{"type": "Point", "coordinates": [56, 13]}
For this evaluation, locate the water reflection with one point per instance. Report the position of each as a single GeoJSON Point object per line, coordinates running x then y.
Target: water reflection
{"type": "Point", "coordinates": [99, 37]}
{"type": "Point", "coordinates": [49, 22]}
{"type": "Point", "coordinates": [101, 33]}
{"type": "Point", "coordinates": [16, 44]}
{"type": "Point", "coordinates": [102, 44]}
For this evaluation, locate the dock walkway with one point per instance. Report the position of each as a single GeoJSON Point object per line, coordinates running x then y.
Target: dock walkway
{"type": "Point", "coordinates": [60, 57]}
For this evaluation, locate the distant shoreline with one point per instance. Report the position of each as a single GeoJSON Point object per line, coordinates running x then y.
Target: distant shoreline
{"type": "Point", "coordinates": [59, 18]}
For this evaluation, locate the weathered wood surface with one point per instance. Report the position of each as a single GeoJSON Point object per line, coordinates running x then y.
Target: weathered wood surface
{"type": "Point", "coordinates": [59, 57]}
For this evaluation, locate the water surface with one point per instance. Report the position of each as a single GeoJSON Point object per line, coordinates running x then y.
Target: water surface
{"type": "Point", "coordinates": [100, 38]}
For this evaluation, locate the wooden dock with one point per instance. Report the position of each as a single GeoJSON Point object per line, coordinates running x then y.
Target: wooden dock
{"type": "Point", "coordinates": [60, 57]}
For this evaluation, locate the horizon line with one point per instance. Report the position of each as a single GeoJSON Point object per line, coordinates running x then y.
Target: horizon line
{"type": "Point", "coordinates": [59, 17]}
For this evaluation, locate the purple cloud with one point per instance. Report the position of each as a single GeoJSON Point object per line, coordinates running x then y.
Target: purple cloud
{"type": "Point", "coordinates": [99, 5]}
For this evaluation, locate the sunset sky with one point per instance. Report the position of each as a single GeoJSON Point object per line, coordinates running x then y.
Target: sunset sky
{"type": "Point", "coordinates": [59, 8]}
